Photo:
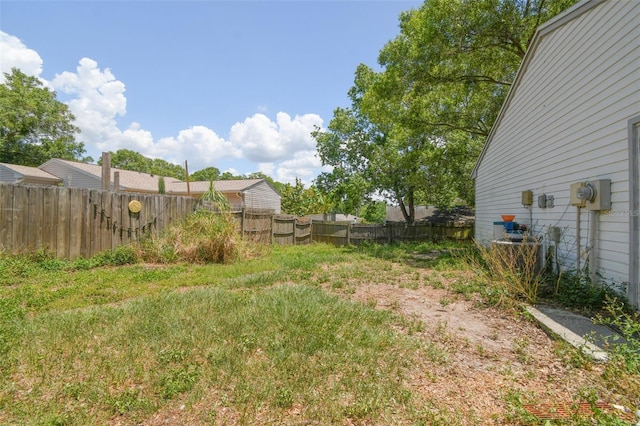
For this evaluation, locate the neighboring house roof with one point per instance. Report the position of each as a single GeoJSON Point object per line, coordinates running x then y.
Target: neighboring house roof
{"type": "Point", "coordinates": [28, 174]}
{"type": "Point", "coordinates": [546, 28]}
{"type": "Point", "coordinates": [128, 180]}
{"type": "Point", "coordinates": [333, 217]}
{"type": "Point", "coordinates": [432, 214]}
{"type": "Point", "coordinates": [145, 182]}
{"type": "Point", "coordinates": [223, 186]}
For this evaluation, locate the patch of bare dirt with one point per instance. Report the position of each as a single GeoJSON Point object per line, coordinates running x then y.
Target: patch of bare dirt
{"type": "Point", "coordinates": [493, 355]}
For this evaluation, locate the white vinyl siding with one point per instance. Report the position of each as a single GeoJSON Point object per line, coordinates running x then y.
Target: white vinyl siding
{"type": "Point", "coordinates": [565, 122]}
{"type": "Point", "coordinates": [634, 211]}
{"type": "Point", "coordinates": [8, 175]}
{"type": "Point", "coordinates": [71, 176]}
{"type": "Point", "coordinates": [262, 196]}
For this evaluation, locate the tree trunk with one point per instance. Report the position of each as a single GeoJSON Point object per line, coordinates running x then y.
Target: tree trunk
{"type": "Point", "coordinates": [408, 211]}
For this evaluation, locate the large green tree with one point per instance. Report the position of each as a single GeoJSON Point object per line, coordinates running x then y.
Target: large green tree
{"type": "Point", "coordinates": [206, 174]}
{"type": "Point", "coordinates": [300, 201]}
{"type": "Point", "coordinates": [368, 157]}
{"type": "Point", "coordinates": [130, 160]}
{"type": "Point", "coordinates": [34, 125]}
{"type": "Point", "coordinates": [453, 62]}
{"type": "Point", "coordinates": [414, 129]}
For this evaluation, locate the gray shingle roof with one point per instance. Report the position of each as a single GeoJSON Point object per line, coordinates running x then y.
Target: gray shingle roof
{"type": "Point", "coordinates": [223, 186]}
{"type": "Point", "coordinates": [31, 172]}
{"type": "Point", "coordinates": [145, 182]}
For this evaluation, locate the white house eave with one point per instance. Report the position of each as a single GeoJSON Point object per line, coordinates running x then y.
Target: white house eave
{"type": "Point", "coordinates": [543, 30]}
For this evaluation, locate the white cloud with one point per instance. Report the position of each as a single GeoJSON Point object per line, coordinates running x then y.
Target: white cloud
{"type": "Point", "coordinates": [262, 140]}
{"type": "Point", "coordinates": [200, 143]}
{"type": "Point", "coordinates": [283, 149]}
{"type": "Point", "coordinates": [266, 168]}
{"type": "Point", "coordinates": [13, 53]}
{"type": "Point", "coordinates": [97, 98]}
{"type": "Point", "coordinates": [304, 165]}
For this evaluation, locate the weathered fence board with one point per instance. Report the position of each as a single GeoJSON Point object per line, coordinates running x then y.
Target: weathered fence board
{"type": "Point", "coordinates": [20, 219]}
{"type": "Point", "coordinates": [284, 230]}
{"type": "Point", "coordinates": [73, 222]}
{"type": "Point", "coordinates": [369, 232]}
{"type": "Point", "coordinates": [49, 220]}
{"type": "Point", "coordinates": [336, 233]}
{"type": "Point", "coordinates": [303, 232]}
{"type": "Point", "coordinates": [255, 224]}
{"type": "Point", "coordinates": [290, 230]}
{"type": "Point", "coordinates": [343, 233]}
{"type": "Point", "coordinates": [6, 213]}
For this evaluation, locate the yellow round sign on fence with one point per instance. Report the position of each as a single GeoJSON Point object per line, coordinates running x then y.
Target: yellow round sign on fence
{"type": "Point", "coordinates": [135, 206]}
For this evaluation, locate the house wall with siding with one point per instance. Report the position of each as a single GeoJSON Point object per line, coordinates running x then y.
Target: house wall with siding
{"type": "Point", "coordinates": [566, 121]}
{"type": "Point", "coordinates": [262, 196]}
{"type": "Point", "coordinates": [8, 175]}
{"type": "Point", "coordinates": [71, 176]}
{"type": "Point", "coordinates": [235, 199]}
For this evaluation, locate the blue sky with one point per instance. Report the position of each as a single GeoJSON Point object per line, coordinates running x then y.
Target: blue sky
{"type": "Point", "coordinates": [238, 85]}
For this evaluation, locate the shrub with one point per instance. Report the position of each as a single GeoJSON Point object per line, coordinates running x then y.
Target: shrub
{"type": "Point", "coordinates": [577, 291]}
{"type": "Point", "coordinates": [202, 237]}
{"type": "Point", "coordinates": [624, 350]}
{"type": "Point", "coordinates": [122, 255]}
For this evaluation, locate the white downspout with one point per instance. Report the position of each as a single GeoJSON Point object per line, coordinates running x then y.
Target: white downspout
{"type": "Point", "coordinates": [578, 208]}
{"type": "Point", "coordinates": [593, 224]}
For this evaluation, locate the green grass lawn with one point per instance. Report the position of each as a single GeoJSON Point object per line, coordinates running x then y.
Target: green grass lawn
{"type": "Point", "coordinates": [90, 345]}
{"type": "Point", "coordinates": [256, 341]}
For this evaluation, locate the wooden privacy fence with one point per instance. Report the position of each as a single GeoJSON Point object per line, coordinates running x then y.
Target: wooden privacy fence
{"type": "Point", "coordinates": [288, 230]}
{"type": "Point", "coordinates": [344, 233]}
{"type": "Point", "coordinates": [76, 222]}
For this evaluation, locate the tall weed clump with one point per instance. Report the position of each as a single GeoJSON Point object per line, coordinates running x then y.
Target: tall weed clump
{"type": "Point", "coordinates": [578, 291]}
{"type": "Point", "coordinates": [512, 269]}
{"type": "Point", "coordinates": [622, 371]}
{"type": "Point", "coordinates": [202, 237]}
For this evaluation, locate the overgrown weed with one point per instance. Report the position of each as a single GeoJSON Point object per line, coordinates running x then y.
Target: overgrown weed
{"type": "Point", "coordinates": [578, 291]}
{"type": "Point", "coordinates": [622, 370]}
{"type": "Point", "coordinates": [202, 237]}
{"type": "Point", "coordinates": [512, 269]}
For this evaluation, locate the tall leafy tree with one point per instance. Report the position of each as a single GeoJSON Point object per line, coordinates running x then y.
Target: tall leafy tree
{"type": "Point", "coordinates": [453, 62]}
{"type": "Point", "coordinates": [206, 174]}
{"type": "Point", "coordinates": [260, 175]}
{"type": "Point", "coordinates": [414, 129]}
{"type": "Point", "coordinates": [130, 160]}
{"type": "Point", "coordinates": [229, 176]}
{"type": "Point", "coordinates": [34, 125]}
{"type": "Point", "coordinates": [301, 201]}
{"type": "Point", "coordinates": [367, 157]}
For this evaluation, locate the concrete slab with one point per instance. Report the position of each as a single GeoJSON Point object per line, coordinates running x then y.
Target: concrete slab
{"type": "Point", "coordinates": [573, 328]}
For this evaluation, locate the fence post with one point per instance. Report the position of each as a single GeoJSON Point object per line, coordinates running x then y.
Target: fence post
{"type": "Point", "coordinates": [273, 228]}
{"type": "Point", "coordinates": [295, 231]}
{"type": "Point", "coordinates": [349, 233]}
{"type": "Point", "coordinates": [242, 223]}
